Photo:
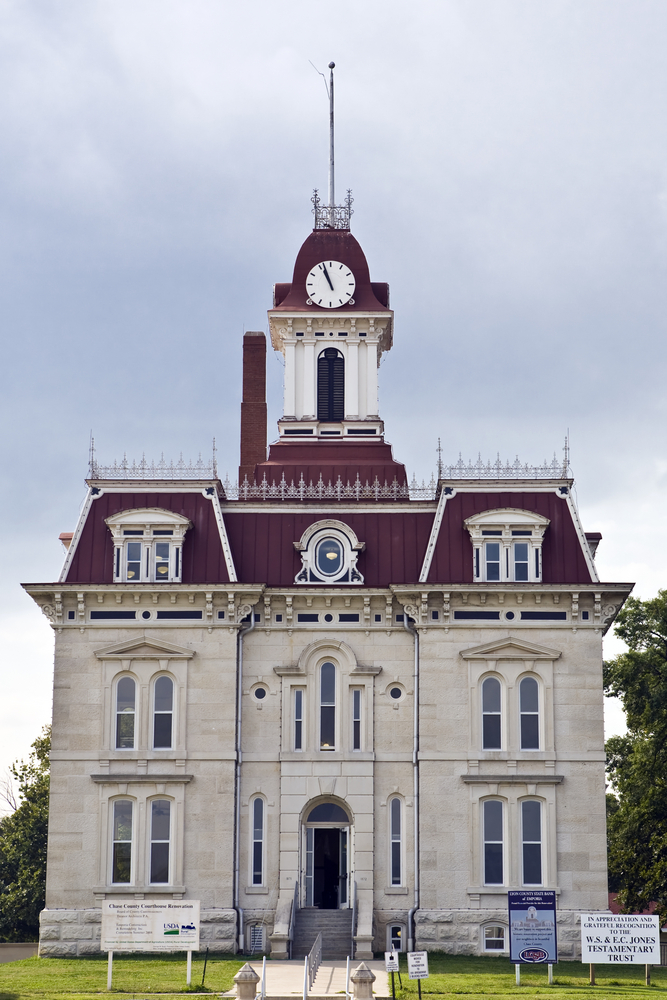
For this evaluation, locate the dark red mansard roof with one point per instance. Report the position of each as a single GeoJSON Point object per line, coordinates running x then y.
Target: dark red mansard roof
{"type": "Point", "coordinates": [262, 538]}
{"type": "Point", "coordinates": [563, 560]}
{"type": "Point", "coordinates": [332, 244]}
{"type": "Point", "coordinates": [331, 460]}
{"type": "Point", "coordinates": [203, 558]}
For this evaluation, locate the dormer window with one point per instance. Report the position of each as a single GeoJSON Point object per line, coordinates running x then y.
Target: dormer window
{"type": "Point", "coordinates": [329, 552]}
{"type": "Point", "coordinates": [507, 545]}
{"type": "Point", "coordinates": [148, 545]}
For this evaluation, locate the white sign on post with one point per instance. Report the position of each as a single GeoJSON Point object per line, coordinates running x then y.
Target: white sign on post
{"type": "Point", "coordinates": [150, 925]}
{"type": "Point", "coordinates": [418, 964]}
{"type": "Point", "coordinates": [618, 938]}
{"type": "Point", "coordinates": [391, 961]}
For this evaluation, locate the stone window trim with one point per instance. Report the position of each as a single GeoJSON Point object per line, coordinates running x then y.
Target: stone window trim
{"type": "Point", "coordinates": [512, 791]}
{"type": "Point", "coordinates": [142, 791]}
{"type": "Point", "coordinates": [396, 937]}
{"type": "Point", "coordinates": [507, 545]}
{"type": "Point", "coordinates": [257, 823]}
{"type": "Point", "coordinates": [489, 948]}
{"type": "Point", "coordinates": [305, 676]}
{"type": "Point", "coordinates": [344, 551]}
{"type": "Point", "coordinates": [495, 710]}
{"type": "Point", "coordinates": [148, 545]}
{"type": "Point", "coordinates": [511, 660]}
{"type": "Point", "coordinates": [396, 844]}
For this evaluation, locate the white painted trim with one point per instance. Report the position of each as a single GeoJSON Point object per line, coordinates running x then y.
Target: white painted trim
{"type": "Point", "coordinates": [590, 562]}
{"type": "Point", "coordinates": [224, 540]}
{"type": "Point", "coordinates": [87, 504]}
{"type": "Point", "coordinates": [435, 531]}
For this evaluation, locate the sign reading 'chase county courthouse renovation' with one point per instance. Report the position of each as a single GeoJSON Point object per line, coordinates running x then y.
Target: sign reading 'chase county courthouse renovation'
{"type": "Point", "coordinates": [620, 937]}
{"type": "Point", "coordinates": [150, 925]}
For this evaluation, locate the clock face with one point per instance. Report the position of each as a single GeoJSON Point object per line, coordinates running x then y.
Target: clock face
{"type": "Point", "coordinates": [330, 284]}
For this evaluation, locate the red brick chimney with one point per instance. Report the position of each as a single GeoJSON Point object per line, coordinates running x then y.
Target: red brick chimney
{"type": "Point", "coordinates": [253, 406]}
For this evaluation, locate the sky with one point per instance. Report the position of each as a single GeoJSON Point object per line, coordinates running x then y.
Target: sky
{"type": "Point", "coordinates": [508, 163]}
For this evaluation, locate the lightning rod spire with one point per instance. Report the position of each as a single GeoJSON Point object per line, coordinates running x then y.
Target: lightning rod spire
{"type": "Point", "coordinates": [332, 198]}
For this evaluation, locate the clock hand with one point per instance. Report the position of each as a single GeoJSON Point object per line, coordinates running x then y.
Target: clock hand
{"type": "Point", "coordinates": [327, 276]}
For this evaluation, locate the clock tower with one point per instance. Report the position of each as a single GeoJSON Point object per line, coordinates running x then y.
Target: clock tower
{"type": "Point", "coordinates": [332, 324]}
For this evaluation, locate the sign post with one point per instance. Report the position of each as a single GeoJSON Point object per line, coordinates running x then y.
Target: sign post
{"type": "Point", "coordinates": [619, 939]}
{"type": "Point", "coordinates": [148, 925]}
{"type": "Point", "coordinates": [418, 968]}
{"type": "Point", "coordinates": [532, 923]}
{"type": "Point", "coordinates": [391, 965]}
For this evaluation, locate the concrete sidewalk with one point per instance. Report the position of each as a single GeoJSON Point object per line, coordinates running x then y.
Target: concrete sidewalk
{"type": "Point", "coordinates": [285, 979]}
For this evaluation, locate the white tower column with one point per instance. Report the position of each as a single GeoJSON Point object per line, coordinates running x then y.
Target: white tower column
{"type": "Point", "coordinates": [352, 382]}
{"type": "Point", "coordinates": [371, 380]}
{"type": "Point", "coordinates": [309, 381]}
{"type": "Point", "coordinates": [290, 381]}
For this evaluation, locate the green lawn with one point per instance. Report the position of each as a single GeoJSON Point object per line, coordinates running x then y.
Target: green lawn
{"type": "Point", "coordinates": [136, 975]}
{"type": "Point", "coordinates": [476, 978]}
{"type": "Point", "coordinates": [140, 976]}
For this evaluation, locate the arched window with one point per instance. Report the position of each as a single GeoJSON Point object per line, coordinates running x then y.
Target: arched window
{"type": "Point", "coordinates": [530, 714]}
{"type": "Point", "coordinates": [491, 717]}
{"type": "Point", "coordinates": [395, 830]}
{"type": "Point", "coordinates": [531, 836]}
{"type": "Point", "coordinates": [395, 937]}
{"type": "Point", "coordinates": [126, 691]}
{"type": "Point", "coordinates": [121, 846]}
{"type": "Point", "coordinates": [494, 938]}
{"type": "Point", "coordinates": [163, 713]}
{"type": "Point", "coordinates": [330, 385]}
{"type": "Point", "coordinates": [160, 841]}
{"type": "Point", "coordinates": [327, 707]}
{"type": "Point", "coordinates": [257, 815]}
{"type": "Point", "coordinates": [493, 842]}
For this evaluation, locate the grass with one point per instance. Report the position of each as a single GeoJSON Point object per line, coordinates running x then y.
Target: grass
{"type": "Point", "coordinates": [451, 976]}
{"type": "Point", "coordinates": [133, 975]}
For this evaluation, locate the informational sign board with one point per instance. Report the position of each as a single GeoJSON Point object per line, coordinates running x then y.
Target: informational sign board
{"type": "Point", "coordinates": [532, 920]}
{"type": "Point", "coordinates": [391, 961]}
{"type": "Point", "coordinates": [150, 925]}
{"type": "Point", "coordinates": [618, 938]}
{"type": "Point", "coordinates": [418, 964]}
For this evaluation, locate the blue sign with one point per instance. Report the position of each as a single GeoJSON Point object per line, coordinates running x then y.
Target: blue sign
{"type": "Point", "coordinates": [532, 920]}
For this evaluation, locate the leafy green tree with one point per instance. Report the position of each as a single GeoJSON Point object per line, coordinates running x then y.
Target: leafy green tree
{"type": "Point", "coordinates": [23, 837]}
{"type": "Point", "coordinates": [637, 762]}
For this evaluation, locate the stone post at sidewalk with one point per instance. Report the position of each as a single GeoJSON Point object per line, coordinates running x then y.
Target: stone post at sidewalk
{"type": "Point", "coordinates": [246, 980]}
{"type": "Point", "coordinates": [362, 981]}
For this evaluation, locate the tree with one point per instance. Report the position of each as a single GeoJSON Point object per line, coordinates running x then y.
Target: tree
{"type": "Point", "coordinates": [637, 762]}
{"type": "Point", "coordinates": [23, 837]}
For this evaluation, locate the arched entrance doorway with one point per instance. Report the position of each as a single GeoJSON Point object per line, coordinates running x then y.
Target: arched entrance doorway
{"type": "Point", "coordinates": [327, 850]}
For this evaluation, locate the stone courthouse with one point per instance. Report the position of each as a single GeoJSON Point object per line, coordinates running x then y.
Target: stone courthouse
{"type": "Point", "coordinates": [326, 698]}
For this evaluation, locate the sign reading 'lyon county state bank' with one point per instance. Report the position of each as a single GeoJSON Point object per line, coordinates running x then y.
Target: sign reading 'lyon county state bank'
{"type": "Point", "coordinates": [149, 925]}
{"type": "Point", "coordinates": [617, 938]}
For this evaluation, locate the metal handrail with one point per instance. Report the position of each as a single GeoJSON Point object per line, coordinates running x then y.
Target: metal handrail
{"type": "Point", "coordinates": [312, 964]}
{"type": "Point", "coordinates": [292, 919]}
{"type": "Point", "coordinates": [354, 917]}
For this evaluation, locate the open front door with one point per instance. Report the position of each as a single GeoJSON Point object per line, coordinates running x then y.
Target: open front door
{"type": "Point", "coordinates": [343, 871]}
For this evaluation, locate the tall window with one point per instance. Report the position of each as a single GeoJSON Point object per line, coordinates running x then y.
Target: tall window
{"type": "Point", "coordinates": [492, 554]}
{"type": "Point", "coordinates": [160, 839]}
{"type": "Point", "coordinates": [356, 719]}
{"type": "Point", "coordinates": [531, 835]}
{"type": "Point", "coordinates": [125, 712]}
{"type": "Point", "coordinates": [298, 719]}
{"type": "Point", "coordinates": [493, 842]}
{"type": "Point", "coordinates": [330, 385]}
{"type": "Point", "coordinates": [163, 713]}
{"type": "Point", "coordinates": [491, 729]}
{"type": "Point", "coordinates": [395, 825]}
{"type": "Point", "coordinates": [258, 841]}
{"type": "Point", "coordinates": [121, 854]}
{"type": "Point", "coordinates": [327, 707]}
{"type": "Point", "coordinates": [530, 714]}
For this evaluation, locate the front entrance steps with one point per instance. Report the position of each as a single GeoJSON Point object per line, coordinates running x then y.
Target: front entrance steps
{"type": "Point", "coordinates": [284, 980]}
{"type": "Point", "coordinates": [336, 928]}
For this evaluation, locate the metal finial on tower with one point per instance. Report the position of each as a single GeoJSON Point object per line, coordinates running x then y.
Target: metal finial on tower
{"type": "Point", "coordinates": [332, 195]}
{"type": "Point", "coordinates": [439, 450]}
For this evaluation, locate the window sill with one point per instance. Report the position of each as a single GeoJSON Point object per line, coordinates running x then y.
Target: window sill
{"type": "Point", "coordinates": [257, 890]}
{"type": "Point", "coordinates": [131, 890]}
{"type": "Point", "coordinates": [396, 890]}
